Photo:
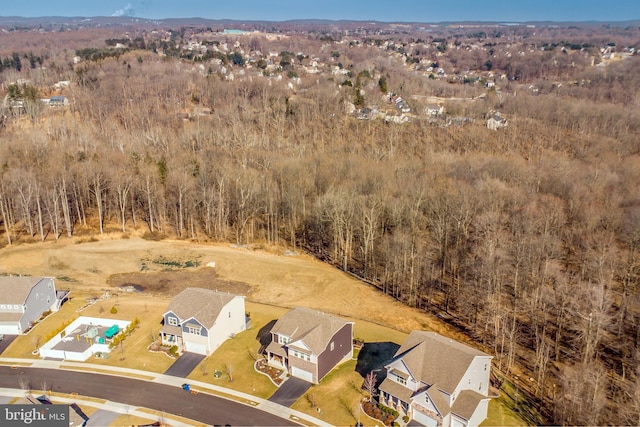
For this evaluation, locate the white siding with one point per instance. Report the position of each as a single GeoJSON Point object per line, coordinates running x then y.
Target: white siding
{"type": "Point", "coordinates": [230, 321]}
{"type": "Point", "coordinates": [476, 377]}
{"type": "Point", "coordinates": [480, 414]}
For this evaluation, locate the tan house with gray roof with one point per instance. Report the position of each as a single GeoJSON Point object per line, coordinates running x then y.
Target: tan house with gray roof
{"type": "Point", "coordinates": [23, 300]}
{"type": "Point", "coordinates": [309, 344]}
{"type": "Point", "coordinates": [200, 320]}
{"type": "Point", "coordinates": [438, 381]}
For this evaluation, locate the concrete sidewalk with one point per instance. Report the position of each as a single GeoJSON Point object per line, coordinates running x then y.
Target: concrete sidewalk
{"type": "Point", "coordinates": [237, 396]}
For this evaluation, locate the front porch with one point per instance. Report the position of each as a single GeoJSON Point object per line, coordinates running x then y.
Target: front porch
{"type": "Point", "coordinates": [277, 356]}
{"type": "Point", "coordinates": [396, 403]}
{"type": "Point", "coordinates": [172, 336]}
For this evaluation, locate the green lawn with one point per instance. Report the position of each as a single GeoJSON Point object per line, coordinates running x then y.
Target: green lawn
{"type": "Point", "coordinates": [501, 415]}
{"type": "Point", "coordinates": [240, 353]}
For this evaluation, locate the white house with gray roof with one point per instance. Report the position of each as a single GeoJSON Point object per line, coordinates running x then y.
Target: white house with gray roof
{"type": "Point", "coordinates": [438, 381]}
{"type": "Point", "coordinates": [200, 320]}
{"type": "Point", "coordinates": [309, 343]}
{"type": "Point", "coordinates": [23, 300]}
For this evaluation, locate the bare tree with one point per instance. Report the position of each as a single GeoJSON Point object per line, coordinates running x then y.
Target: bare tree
{"type": "Point", "coordinates": [228, 369]}
{"type": "Point", "coordinates": [371, 385]}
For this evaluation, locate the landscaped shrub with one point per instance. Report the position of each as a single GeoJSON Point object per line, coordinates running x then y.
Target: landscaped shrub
{"type": "Point", "coordinates": [405, 418]}
{"type": "Point", "coordinates": [389, 411]}
{"type": "Point", "coordinates": [114, 310]}
{"type": "Point", "coordinates": [174, 351]}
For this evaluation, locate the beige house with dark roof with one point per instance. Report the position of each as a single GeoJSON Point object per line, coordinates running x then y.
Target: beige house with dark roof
{"type": "Point", "coordinates": [309, 344]}
{"type": "Point", "coordinates": [200, 320]}
{"type": "Point", "coordinates": [438, 381]}
{"type": "Point", "coordinates": [23, 300]}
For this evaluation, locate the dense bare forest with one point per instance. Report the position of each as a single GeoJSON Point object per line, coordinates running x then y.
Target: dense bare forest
{"type": "Point", "coordinates": [526, 238]}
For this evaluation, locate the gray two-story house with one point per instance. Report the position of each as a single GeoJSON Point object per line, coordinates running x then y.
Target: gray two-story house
{"type": "Point", "coordinates": [23, 300]}
{"type": "Point", "coordinates": [200, 320]}
{"type": "Point", "coordinates": [309, 343]}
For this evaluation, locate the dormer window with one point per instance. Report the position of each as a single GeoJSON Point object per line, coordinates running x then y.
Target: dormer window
{"type": "Point", "coordinates": [173, 321]}
{"type": "Point", "coordinates": [283, 340]}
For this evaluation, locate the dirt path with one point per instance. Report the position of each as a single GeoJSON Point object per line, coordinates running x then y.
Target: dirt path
{"type": "Point", "coordinates": [282, 280]}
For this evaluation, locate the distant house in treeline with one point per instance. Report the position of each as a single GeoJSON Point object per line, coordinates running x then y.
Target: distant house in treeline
{"type": "Point", "coordinates": [58, 101]}
{"type": "Point", "coordinates": [496, 121]}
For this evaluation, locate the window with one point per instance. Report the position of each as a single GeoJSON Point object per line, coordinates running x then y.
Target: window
{"type": "Point", "coordinates": [299, 355]}
{"type": "Point", "coordinates": [485, 366]}
{"type": "Point", "coordinates": [332, 345]}
{"type": "Point", "coordinates": [48, 300]}
{"type": "Point", "coordinates": [173, 321]}
{"type": "Point", "coordinates": [401, 380]}
{"type": "Point", "coordinates": [480, 386]}
{"type": "Point", "coordinates": [283, 340]}
{"type": "Point", "coordinates": [193, 330]}
{"type": "Point", "coordinates": [230, 318]}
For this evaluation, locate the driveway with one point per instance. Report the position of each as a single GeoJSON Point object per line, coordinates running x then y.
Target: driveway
{"type": "Point", "coordinates": [8, 339]}
{"type": "Point", "coordinates": [184, 365]}
{"type": "Point", "coordinates": [102, 418]}
{"type": "Point", "coordinates": [290, 391]}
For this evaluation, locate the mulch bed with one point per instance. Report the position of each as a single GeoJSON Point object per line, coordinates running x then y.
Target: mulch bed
{"type": "Point", "coordinates": [273, 373]}
{"type": "Point", "coordinates": [372, 410]}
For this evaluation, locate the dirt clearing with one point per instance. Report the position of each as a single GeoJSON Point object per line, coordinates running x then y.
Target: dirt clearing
{"type": "Point", "coordinates": [166, 267]}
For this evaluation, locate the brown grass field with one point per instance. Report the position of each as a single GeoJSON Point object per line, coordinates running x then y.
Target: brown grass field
{"type": "Point", "coordinates": [272, 282]}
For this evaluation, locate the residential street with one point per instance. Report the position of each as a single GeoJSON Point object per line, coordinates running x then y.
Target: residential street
{"type": "Point", "coordinates": [201, 407]}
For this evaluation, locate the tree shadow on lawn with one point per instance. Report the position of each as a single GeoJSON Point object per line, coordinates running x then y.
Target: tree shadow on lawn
{"type": "Point", "coordinates": [373, 356]}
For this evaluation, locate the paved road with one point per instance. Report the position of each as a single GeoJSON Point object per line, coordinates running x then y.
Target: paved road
{"type": "Point", "coordinates": [201, 407]}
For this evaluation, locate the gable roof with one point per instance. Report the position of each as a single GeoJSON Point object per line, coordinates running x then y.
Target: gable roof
{"type": "Point", "coordinates": [204, 305]}
{"type": "Point", "coordinates": [436, 360]}
{"type": "Point", "coordinates": [466, 403]}
{"type": "Point", "coordinates": [15, 289]}
{"type": "Point", "coordinates": [312, 329]}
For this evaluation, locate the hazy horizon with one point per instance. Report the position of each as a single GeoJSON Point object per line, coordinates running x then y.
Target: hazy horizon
{"type": "Point", "coordinates": [357, 10]}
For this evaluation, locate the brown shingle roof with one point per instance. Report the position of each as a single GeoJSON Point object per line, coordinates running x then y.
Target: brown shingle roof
{"type": "Point", "coordinates": [312, 328]}
{"type": "Point", "coordinates": [432, 358]}
{"type": "Point", "coordinates": [15, 289]}
{"type": "Point", "coordinates": [438, 400]}
{"type": "Point", "coordinates": [395, 389]}
{"type": "Point", "coordinates": [466, 403]}
{"type": "Point", "coordinates": [202, 304]}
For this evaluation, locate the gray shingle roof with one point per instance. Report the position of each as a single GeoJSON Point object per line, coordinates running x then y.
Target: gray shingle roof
{"type": "Point", "coordinates": [434, 359]}
{"type": "Point", "coordinates": [313, 328]}
{"type": "Point", "coordinates": [15, 289]}
{"type": "Point", "coordinates": [202, 304]}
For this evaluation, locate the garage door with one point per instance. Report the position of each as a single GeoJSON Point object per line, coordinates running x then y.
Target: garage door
{"type": "Point", "coordinates": [302, 374]}
{"type": "Point", "coordinates": [9, 329]}
{"type": "Point", "coordinates": [196, 348]}
{"type": "Point", "coordinates": [424, 419]}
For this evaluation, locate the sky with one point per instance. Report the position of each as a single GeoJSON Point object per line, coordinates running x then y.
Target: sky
{"type": "Point", "coordinates": [360, 10]}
